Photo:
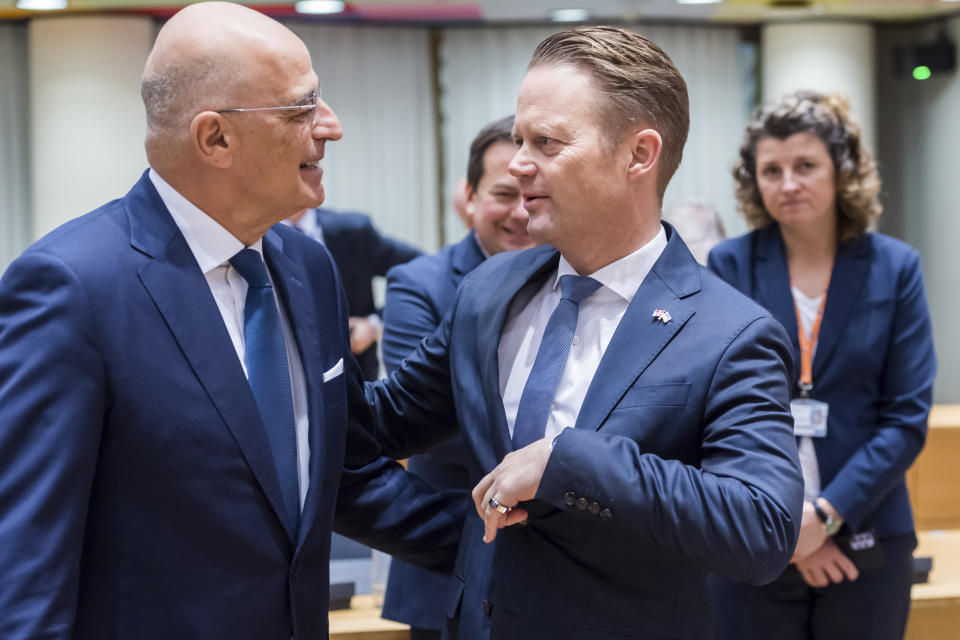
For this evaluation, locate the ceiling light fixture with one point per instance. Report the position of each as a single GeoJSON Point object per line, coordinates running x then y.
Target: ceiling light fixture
{"type": "Point", "coordinates": [319, 7]}
{"type": "Point", "coordinates": [699, 1]}
{"type": "Point", "coordinates": [41, 5]}
{"type": "Point", "coordinates": [569, 15]}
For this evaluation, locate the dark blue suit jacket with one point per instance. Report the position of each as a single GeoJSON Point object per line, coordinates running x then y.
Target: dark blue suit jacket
{"type": "Point", "coordinates": [874, 365]}
{"type": "Point", "coordinates": [682, 460]}
{"type": "Point", "coordinates": [419, 293]}
{"type": "Point", "coordinates": [139, 496]}
{"type": "Point", "coordinates": [361, 253]}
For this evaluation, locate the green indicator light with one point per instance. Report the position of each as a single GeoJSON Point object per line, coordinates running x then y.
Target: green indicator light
{"type": "Point", "coordinates": [921, 73]}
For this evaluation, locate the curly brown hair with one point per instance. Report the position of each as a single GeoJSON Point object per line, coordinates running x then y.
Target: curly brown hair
{"type": "Point", "coordinates": [827, 116]}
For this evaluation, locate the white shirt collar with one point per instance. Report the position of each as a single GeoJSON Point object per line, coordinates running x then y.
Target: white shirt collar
{"type": "Point", "coordinates": [625, 275]}
{"type": "Point", "coordinates": [210, 243]}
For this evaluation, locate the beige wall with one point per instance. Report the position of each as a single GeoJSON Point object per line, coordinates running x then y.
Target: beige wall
{"type": "Point", "coordinates": [87, 124]}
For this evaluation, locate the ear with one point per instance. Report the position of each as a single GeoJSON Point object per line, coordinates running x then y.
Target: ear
{"type": "Point", "coordinates": [645, 148]}
{"type": "Point", "coordinates": [470, 206]}
{"type": "Point", "coordinates": [213, 138]}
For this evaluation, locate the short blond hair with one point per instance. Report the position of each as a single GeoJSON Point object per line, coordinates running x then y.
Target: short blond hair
{"type": "Point", "coordinates": [826, 116]}
{"type": "Point", "coordinates": [639, 83]}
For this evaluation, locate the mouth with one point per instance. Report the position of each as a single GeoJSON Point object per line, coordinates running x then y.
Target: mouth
{"type": "Point", "coordinates": [531, 199]}
{"type": "Point", "coordinates": [519, 234]}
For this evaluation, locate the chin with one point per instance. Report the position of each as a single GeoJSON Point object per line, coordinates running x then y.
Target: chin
{"type": "Point", "coordinates": [540, 234]}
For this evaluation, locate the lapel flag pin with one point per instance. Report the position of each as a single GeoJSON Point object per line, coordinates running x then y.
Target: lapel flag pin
{"type": "Point", "coordinates": [662, 315]}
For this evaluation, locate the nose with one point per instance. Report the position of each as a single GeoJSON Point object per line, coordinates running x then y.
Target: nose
{"type": "Point", "coordinates": [790, 182]}
{"type": "Point", "coordinates": [521, 166]}
{"type": "Point", "coordinates": [326, 125]}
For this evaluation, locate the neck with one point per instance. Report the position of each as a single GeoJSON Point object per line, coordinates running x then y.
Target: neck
{"type": "Point", "coordinates": [589, 257]}
{"type": "Point", "coordinates": [810, 245]}
{"type": "Point", "coordinates": [218, 202]}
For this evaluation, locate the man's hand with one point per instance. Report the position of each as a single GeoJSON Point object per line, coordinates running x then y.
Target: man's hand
{"type": "Point", "coordinates": [828, 564]}
{"type": "Point", "coordinates": [363, 333]}
{"type": "Point", "coordinates": [515, 479]}
{"type": "Point", "coordinates": [812, 535]}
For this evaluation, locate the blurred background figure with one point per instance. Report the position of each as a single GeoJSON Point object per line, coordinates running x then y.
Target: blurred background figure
{"type": "Point", "coordinates": [361, 253]}
{"type": "Point", "coordinates": [460, 197]}
{"type": "Point", "coordinates": [698, 224]}
{"type": "Point", "coordinates": [418, 295]}
{"type": "Point", "coordinates": [864, 362]}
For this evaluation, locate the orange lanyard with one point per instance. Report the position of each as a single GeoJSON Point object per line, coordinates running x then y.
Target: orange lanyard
{"type": "Point", "coordinates": [807, 343]}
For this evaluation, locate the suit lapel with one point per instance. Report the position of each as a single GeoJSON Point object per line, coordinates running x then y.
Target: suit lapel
{"type": "Point", "coordinates": [640, 337]}
{"type": "Point", "coordinates": [772, 286]}
{"type": "Point", "coordinates": [466, 256]}
{"type": "Point", "coordinates": [182, 296]}
{"type": "Point", "coordinates": [297, 300]}
{"type": "Point", "coordinates": [846, 283]}
{"type": "Point", "coordinates": [524, 276]}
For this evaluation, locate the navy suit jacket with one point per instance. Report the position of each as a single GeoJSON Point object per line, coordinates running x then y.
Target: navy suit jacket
{"type": "Point", "coordinates": [682, 460]}
{"type": "Point", "coordinates": [874, 365]}
{"type": "Point", "coordinates": [361, 253]}
{"type": "Point", "coordinates": [139, 496]}
{"type": "Point", "coordinates": [419, 293]}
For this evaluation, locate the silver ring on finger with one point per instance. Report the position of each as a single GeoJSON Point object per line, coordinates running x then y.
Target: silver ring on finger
{"type": "Point", "coordinates": [496, 506]}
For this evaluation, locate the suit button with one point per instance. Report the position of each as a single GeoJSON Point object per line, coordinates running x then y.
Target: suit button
{"type": "Point", "coordinates": [606, 514]}
{"type": "Point", "coordinates": [582, 504]}
{"type": "Point", "coordinates": [295, 569]}
{"type": "Point", "coordinates": [594, 508]}
{"type": "Point", "coordinates": [569, 498]}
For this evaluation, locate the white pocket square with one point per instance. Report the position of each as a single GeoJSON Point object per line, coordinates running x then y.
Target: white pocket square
{"type": "Point", "coordinates": [334, 371]}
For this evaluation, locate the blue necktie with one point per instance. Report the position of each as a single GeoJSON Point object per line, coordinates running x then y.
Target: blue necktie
{"type": "Point", "coordinates": [269, 375]}
{"type": "Point", "coordinates": [541, 388]}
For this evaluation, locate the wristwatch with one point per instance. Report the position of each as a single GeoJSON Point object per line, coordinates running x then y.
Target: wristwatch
{"type": "Point", "coordinates": [830, 526]}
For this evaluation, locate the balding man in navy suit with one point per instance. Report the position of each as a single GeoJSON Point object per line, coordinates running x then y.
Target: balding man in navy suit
{"type": "Point", "coordinates": [175, 374]}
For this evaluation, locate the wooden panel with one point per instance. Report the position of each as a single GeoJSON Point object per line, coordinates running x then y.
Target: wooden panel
{"type": "Point", "coordinates": [934, 479]}
{"type": "Point", "coordinates": [362, 621]}
{"type": "Point", "coordinates": [935, 606]}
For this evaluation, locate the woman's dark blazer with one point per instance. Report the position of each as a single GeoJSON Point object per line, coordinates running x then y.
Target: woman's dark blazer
{"type": "Point", "coordinates": [874, 365]}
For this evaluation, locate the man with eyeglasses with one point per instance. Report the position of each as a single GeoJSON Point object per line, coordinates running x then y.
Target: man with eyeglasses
{"type": "Point", "coordinates": [175, 375]}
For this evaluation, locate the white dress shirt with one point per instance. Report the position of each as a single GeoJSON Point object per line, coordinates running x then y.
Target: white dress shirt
{"type": "Point", "coordinates": [808, 308]}
{"type": "Point", "coordinates": [599, 316]}
{"type": "Point", "coordinates": [213, 246]}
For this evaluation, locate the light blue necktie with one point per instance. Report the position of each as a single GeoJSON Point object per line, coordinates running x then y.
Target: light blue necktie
{"type": "Point", "coordinates": [541, 387]}
{"type": "Point", "coordinates": [269, 375]}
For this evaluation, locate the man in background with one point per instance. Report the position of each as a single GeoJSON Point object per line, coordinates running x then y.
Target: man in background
{"type": "Point", "coordinates": [361, 253]}
{"type": "Point", "coordinates": [419, 293]}
{"type": "Point", "coordinates": [175, 372]}
{"type": "Point", "coordinates": [698, 224]}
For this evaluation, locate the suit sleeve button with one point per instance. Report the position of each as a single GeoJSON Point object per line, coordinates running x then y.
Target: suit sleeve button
{"type": "Point", "coordinates": [569, 498]}
{"type": "Point", "coordinates": [606, 514]}
{"type": "Point", "coordinates": [487, 607]}
{"type": "Point", "coordinates": [593, 508]}
{"type": "Point", "coordinates": [582, 504]}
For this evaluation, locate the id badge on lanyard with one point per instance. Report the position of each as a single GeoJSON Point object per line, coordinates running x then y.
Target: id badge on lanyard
{"type": "Point", "coordinates": [809, 415]}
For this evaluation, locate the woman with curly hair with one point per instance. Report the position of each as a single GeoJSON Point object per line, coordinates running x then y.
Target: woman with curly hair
{"type": "Point", "coordinates": [864, 365]}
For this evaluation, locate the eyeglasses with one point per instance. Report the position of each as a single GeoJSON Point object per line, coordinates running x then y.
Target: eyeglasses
{"type": "Point", "coordinates": [310, 103]}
